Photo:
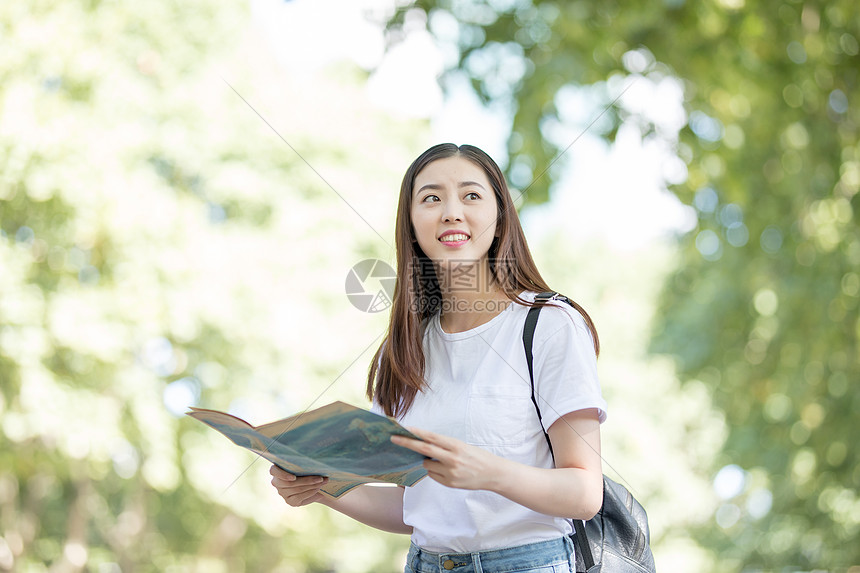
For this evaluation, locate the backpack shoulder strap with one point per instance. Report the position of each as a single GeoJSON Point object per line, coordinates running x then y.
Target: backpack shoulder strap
{"type": "Point", "coordinates": [580, 539]}
{"type": "Point", "coordinates": [528, 343]}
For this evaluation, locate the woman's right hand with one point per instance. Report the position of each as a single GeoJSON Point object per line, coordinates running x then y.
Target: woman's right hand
{"type": "Point", "coordinates": [297, 491]}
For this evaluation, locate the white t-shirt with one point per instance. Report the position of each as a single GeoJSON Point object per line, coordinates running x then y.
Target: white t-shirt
{"type": "Point", "coordinates": [478, 391]}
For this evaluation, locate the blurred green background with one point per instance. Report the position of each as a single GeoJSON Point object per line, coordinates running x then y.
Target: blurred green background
{"type": "Point", "coordinates": [161, 246]}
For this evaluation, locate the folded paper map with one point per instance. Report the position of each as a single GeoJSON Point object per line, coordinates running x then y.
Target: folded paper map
{"type": "Point", "coordinates": [349, 445]}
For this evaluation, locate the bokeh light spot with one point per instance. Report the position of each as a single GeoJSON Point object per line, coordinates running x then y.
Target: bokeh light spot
{"type": "Point", "coordinates": [706, 127]}
{"type": "Point", "coordinates": [706, 200]}
{"type": "Point", "coordinates": [727, 515]}
{"type": "Point", "coordinates": [796, 52]}
{"type": "Point", "coordinates": [849, 44]}
{"type": "Point", "coordinates": [737, 234]}
{"type": "Point", "coordinates": [730, 214]}
{"type": "Point", "coordinates": [793, 95]}
{"type": "Point", "coordinates": [25, 235]}
{"type": "Point", "coordinates": [766, 302]}
{"type": "Point", "coordinates": [838, 101]}
{"type": "Point", "coordinates": [181, 394]}
{"type": "Point", "coordinates": [759, 503]}
{"type": "Point", "coordinates": [157, 355]}
{"type": "Point", "coordinates": [729, 481]}
{"type": "Point", "coordinates": [708, 244]}
{"type": "Point", "coordinates": [777, 407]}
{"type": "Point", "coordinates": [851, 284]}
{"type": "Point", "coordinates": [771, 240]}
{"type": "Point", "coordinates": [803, 466]}
{"type": "Point", "coordinates": [126, 460]}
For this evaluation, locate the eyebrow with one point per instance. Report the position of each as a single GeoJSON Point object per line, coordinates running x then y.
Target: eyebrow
{"type": "Point", "coordinates": [460, 185]}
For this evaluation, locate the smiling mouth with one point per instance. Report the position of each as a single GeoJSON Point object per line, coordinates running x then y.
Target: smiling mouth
{"type": "Point", "coordinates": [454, 238]}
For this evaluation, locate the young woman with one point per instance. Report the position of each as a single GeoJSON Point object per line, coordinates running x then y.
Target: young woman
{"type": "Point", "coordinates": [453, 370]}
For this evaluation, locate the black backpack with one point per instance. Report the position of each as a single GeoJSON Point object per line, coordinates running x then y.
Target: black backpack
{"type": "Point", "coordinates": [616, 540]}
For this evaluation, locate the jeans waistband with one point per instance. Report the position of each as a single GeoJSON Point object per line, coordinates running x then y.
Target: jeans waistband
{"type": "Point", "coordinates": [531, 555]}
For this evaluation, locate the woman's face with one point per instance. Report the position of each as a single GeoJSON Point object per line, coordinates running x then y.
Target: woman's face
{"type": "Point", "coordinates": [454, 212]}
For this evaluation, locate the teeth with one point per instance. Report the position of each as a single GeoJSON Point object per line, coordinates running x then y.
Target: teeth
{"type": "Point", "coordinates": [454, 238]}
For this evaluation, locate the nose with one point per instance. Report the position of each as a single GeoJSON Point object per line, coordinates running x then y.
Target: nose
{"type": "Point", "coordinates": [453, 211]}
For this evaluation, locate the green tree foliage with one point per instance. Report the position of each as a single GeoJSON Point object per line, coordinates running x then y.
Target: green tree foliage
{"type": "Point", "coordinates": [763, 306]}
{"type": "Point", "coordinates": [160, 246]}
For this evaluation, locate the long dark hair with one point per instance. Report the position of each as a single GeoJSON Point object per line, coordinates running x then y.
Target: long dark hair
{"type": "Point", "coordinates": [397, 371]}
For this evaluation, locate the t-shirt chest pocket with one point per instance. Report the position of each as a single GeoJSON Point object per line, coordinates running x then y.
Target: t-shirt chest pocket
{"type": "Point", "coordinates": [499, 415]}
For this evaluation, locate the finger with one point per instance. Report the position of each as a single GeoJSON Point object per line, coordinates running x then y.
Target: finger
{"type": "Point", "coordinates": [281, 473]}
{"type": "Point", "coordinates": [424, 448]}
{"type": "Point", "coordinates": [410, 443]}
{"type": "Point", "coordinates": [305, 500]}
{"type": "Point", "coordinates": [292, 492]}
{"type": "Point", "coordinates": [283, 483]}
{"type": "Point", "coordinates": [438, 477]}
{"type": "Point", "coordinates": [435, 469]}
{"type": "Point", "coordinates": [301, 496]}
{"type": "Point", "coordinates": [444, 442]}
{"type": "Point", "coordinates": [427, 435]}
{"type": "Point", "coordinates": [299, 483]}
{"type": "Point", "coordinates": [309, 481]}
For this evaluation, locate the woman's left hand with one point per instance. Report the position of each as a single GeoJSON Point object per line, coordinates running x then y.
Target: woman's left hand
{"type": "Point", "coordinates": [453, 463]}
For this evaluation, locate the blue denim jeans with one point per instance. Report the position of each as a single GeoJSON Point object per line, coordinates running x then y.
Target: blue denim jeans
{"type": "Point", "coordinates": [553, 556]}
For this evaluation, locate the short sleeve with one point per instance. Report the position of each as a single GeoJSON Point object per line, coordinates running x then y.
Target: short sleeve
{"type": "Point", "coordinates": [565, 365]}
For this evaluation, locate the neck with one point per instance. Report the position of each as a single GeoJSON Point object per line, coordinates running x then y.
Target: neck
{"type": "Point", "coordinates": [470, 281]}
{"type": "Point", "coordinates": [470, 296]}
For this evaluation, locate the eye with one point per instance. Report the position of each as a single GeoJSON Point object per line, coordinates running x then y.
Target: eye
{"type": "Point", "coordinates": [473, 196]}
{"type": "Point", "coordinates": [430, 199]}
